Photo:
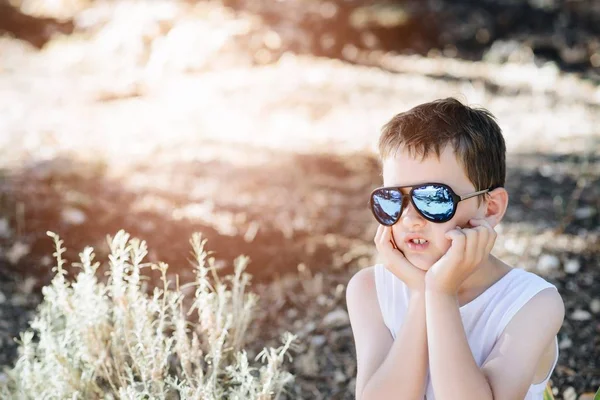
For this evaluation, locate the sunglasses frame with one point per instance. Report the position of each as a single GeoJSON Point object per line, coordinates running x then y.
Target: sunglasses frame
{"type": "Point", "coordinates": [455, 200]}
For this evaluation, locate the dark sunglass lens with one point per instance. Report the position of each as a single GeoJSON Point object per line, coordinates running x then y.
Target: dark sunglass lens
{"type": "Point", "coordinates": [434, 201]}
{"type": "Point", "coordinates": [386, 205]}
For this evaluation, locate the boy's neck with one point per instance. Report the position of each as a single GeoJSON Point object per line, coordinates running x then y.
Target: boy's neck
{"type": "Point", "coordinates": [488, 273]}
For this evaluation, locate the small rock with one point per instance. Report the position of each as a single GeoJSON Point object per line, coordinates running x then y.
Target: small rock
{"type": "Point", "coordinates": [548, 263]}
{"type": "Point", "coordinates": [321, 300]}
{"type": "Point", "coordinates": [308, 328]}
{"type": "Point", "coordinates": [572, 266]}
{"type": "Point", "coordinates": [73, 216]}
{"type": "Point", "coordinates": [307, 363]}
{"type": "Point", "coordinates": [19, 300]}
{"type": "Point", "coordinates": [581, 315]}
{"type": "Point", "coordinates": [587, 396]}
{"type": "Point", "coordinates": [339, 377]}
{"type": "Point", "coordinates": [292, 313]}
{"type": "Point", "coordinates": [336, 318]}
{"type": "Point", "coordinates": [318, 340]}
{"type": "Point", "coordinates": [585, 212]}
{"type": "Point", "coordinates": [570, 394]}
{"type": "Point", "coordinates": [595, 306]}
{"type": "Point", "coordinates": [46, 260]}
{"type": "Point", "coordinates": [351, 385]}
{"type": "Point", "coordinates": [565, 343]}
{"type": "Point", "coordinates": [515, 246]}
{"type": "Point", "coordinates": [4, 228]}
{"type": "Point", "coordinates": [26, 286]}
{"type": "Point", "coordinates": [17, 251]}
{"type": "Point", "coordinates": [2, 298]}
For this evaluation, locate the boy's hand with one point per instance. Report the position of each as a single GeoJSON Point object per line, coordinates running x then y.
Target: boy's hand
{"type": "Point", "coordinates": [396, 262]}
{"type": "Point", "coordinates": [470, 246]}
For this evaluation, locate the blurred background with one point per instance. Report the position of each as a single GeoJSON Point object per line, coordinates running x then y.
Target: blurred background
{"type": "Point", "coordinates": [255, 123]}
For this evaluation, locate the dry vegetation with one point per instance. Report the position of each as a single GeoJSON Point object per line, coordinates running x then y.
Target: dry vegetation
{"type": "Point", "coordinates": [95, 341]}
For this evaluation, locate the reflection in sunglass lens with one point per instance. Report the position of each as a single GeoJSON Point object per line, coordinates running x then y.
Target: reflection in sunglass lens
{"type": "Point", "coordinates": [434, 201]}
{"type": "Point", "coordinates": [387, 204]}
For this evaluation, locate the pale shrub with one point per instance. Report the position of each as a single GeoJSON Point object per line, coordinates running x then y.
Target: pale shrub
{"type": "Point", "coordinates": [114, 341]}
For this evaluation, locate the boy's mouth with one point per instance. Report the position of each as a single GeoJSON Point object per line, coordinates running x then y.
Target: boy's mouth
{"type": "Point", "coordinates": [415, 242]}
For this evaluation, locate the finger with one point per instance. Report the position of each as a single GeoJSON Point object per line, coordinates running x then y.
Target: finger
{"type": "Point", "coordinates": [471, 244]}
{"type": "Point", "coordinates": [378, 234]}
{"type": "Point", "coordinates": [491, 241]}
{"type": "Point", "coordinates": [480, 222]}
{"type": "Point", "coordinates": [387, 237]}
{"type": "Point", "coordinates": [384, 244]}
{"type": "Point", "coordinates": [392, 252]}
{"type": "Point", "coordinates": [393, 240]}
{"type": "Point", "coordinates": [491, 233]}
{"type": "Point", "coordinates": [454, 234]}
{"type": "Point", "coordinates": [457, 247]}
{"type": "Point", "coordinates": [482, 243]}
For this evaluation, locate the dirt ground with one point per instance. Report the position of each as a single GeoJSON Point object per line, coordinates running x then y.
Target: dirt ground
{"type": "Point", "coordinates": [172, 118]}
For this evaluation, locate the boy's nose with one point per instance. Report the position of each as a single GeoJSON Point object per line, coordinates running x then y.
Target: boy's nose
{"type": "Point", "coordinates": [411, 217]}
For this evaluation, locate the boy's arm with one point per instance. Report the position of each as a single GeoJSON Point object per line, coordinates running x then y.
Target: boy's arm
{"type": "Point", "coordinates": [509, 370]}
{"type": "Point", "coordinates": [386, 368]}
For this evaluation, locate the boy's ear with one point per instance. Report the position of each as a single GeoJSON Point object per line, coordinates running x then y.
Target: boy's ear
{"type": "Point", "coordinates": [497, 202]}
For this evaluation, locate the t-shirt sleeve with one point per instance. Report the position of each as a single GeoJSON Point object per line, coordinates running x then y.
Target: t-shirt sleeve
{"type": "Point", "coordinates": [522, 292]}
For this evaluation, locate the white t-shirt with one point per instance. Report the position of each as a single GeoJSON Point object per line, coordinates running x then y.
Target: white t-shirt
{"type": "Point", "coordinates": [484, 318]}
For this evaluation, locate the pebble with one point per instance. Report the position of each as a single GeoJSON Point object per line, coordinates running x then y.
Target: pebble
{"type": "Point", "coordinates": [547, 263]}
{"type": "Point", "coordinates": [322, 300]}
{"type": "Point", "coordinates": [581, 315]}
{"type": "Point", "coordinates": [565, 343]}
{"type": "Point", "coordinates": [515, 246]}
{"type": "Point", "coordinates": [73, 216]}
{"type": "Point", "coordinates": [595, 306]}
{"type": "Point", "coordinates": [338, 376]}
{"type": "Point", "coordinates": [318, 340]}
{"type": "Point", "coordinates": [2, 298]}
{"type": "Point", "coordinates": [336, 318]}
{"type": "Point", "coordinates": [585, 212]}
{"type": "Point", "coordinates": [307, 329]}
{"type": "Point", "coordinates": [17, 251]}
{"type": "Point", "coordinates": [26, 286]}
{"type": "Point", "coordinates": [4, 228]}
{"type": "Point", "coordinates": [19, 300]}
{"type": "Point", "coordinates": [570, 394]}
{"type": "Point", "coordinates": [572, 266]}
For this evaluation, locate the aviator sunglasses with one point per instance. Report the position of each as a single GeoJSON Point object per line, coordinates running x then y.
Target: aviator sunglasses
{"type": "Point", "coordinates": [436, 202]}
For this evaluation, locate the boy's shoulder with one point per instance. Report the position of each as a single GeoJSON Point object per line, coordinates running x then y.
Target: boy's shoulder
{"type": "Point", "coordinates": [362, 286]}
{"type": "Point", "coordinates": [362, 279]}
{"type": "Point", "coordinates": [363, 301]}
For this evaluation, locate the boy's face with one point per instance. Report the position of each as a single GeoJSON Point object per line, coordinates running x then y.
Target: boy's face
{"type": "Point", "coordinates": [404, 169]}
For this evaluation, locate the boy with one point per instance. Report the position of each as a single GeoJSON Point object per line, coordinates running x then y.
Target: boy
{"type": "Point", "coordinates": [441, 317]}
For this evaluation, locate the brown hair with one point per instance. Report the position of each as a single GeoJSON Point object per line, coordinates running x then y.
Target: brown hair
{"type": "Point", "coordinates": [473, 132]}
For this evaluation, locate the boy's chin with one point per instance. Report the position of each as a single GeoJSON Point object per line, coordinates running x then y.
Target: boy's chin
{"type": "Point", "coordinates": [421, 263]}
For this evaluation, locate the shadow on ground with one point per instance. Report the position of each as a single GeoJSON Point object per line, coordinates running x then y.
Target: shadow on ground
{"type": "Point", "coordinates": [292, 209]}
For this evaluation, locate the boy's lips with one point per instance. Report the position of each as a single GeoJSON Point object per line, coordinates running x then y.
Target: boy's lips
{"type": "Point", "coordinates": [416, 242]}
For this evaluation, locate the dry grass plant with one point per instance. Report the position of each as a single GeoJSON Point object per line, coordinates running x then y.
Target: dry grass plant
{"type": "Point", "coordinates": [92, 340]}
